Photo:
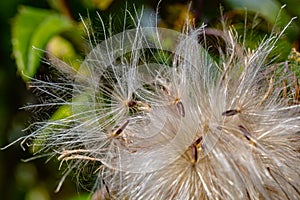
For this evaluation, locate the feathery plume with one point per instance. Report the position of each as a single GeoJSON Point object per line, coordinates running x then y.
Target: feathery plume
{"type": "Point", "coordinates": [161, 119]}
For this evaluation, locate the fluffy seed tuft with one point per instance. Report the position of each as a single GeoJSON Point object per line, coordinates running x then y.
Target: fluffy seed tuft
{"type": "Point", "coordinates": [161, 119]}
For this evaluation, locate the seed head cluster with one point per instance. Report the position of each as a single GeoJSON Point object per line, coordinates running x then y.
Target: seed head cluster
{"type": "Point", "coordinates": [156, 116]}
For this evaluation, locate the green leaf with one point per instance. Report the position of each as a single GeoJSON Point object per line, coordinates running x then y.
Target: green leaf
{"type": "Point", "coordinates": [271, 10]}
{"type": "Point", "coordinates": [268, 8]}
{"type": "Point", "coordinates": [33, 28]}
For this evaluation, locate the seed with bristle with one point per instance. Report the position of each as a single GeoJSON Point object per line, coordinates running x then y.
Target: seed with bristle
{"type": "Point", "coordinates": [121, 128]}
{"type": "Point", "coordinates": [180, 107]}
{"type": "Point", "coordinates": [232, 112]}
{"type": "Point", "coordinates": [245, 132]}
{"type": "Point", "coordinates": [194, 147]}
{"type": "Point", "coordinates": [199, 139]}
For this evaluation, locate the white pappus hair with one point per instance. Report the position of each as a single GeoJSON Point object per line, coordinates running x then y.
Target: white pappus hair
{"type": "Point", "coordinates": [158, 118]}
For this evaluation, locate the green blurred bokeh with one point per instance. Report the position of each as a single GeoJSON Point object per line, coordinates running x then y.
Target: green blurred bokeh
{"type": "Point", "coordinates": [37, 180]}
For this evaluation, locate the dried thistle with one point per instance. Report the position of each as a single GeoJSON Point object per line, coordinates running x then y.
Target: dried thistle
{"type": "Point", "coordinates": [180, 126]}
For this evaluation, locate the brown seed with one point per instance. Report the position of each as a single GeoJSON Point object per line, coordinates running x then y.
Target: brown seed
{"type": "Point", "coordinates": [245, 132]}
{"type": "Point", "coordinates": [195, 153]}
{"type": "Point", "coordinates": [180, 108]}
{"type": "Point", "coordinates": [194, 148]}
{"type": "Point", "coordinates": [199, 139]}
{"type": "Point", "coordinates": [232, 112]}
{"type": "Point", "coordinates": [121, 128]}
{"type": "Point", "coordinates": [131, 103]}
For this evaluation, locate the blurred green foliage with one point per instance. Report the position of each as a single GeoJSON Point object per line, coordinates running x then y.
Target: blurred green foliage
{"type": "Point", "coordinates": [55, 26]}
{"type": "Point", "coordinates": [33, 28]}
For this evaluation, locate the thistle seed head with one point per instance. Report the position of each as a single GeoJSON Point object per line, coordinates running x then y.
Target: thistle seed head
{"type": "Point", "coordinates": [181, 126]}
